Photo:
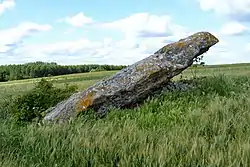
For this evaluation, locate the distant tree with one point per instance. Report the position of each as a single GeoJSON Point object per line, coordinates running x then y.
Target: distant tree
{"type": "Point", "coordinates": [44, 69]}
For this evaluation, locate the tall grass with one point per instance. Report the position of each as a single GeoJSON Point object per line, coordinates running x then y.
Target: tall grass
{"type": "Point", "coordinates": [205, 126]}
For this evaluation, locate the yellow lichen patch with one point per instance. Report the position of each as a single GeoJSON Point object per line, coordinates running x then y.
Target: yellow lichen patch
{"type": "Point", "coordinates": [85, 102]}
{"type": "Point", "coordinates": [179, 44]}
{"type": "Point", "coordinates": [165, 48]}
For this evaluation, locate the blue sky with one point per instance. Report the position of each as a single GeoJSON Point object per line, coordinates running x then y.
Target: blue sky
{"type": "Point", "coordinates": [118, 32]}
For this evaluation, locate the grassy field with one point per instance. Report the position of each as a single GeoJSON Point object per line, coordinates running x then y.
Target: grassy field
{"type": "Point", "coordinates": [206, 126]}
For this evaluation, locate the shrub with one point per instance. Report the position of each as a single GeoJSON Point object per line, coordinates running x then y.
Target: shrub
{"type": "Point", "coordinates": [34, 103]}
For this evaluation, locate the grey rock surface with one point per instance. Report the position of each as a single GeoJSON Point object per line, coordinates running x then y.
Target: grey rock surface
{"type": "Point", "coordinates": [133, 84]}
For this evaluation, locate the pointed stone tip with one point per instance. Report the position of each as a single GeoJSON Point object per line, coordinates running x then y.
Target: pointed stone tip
{"type": "Point", "coordinates": [200, 39]}
{"type": "Point", "coordinates": [206, 36]}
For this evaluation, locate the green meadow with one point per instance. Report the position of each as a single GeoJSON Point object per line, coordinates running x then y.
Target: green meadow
{"type": "Point", "coordinates": [205, 126]}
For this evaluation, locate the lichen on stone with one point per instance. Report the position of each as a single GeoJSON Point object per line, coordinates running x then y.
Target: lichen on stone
{"type": "Point", "coordinates": [85, 102]}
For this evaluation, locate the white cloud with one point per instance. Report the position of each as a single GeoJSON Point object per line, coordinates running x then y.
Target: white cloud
{"type": "Point", "coordinates": [139, 42]}
{"type": "Point", "coordinates": [84, 51]}
{"type": "Point", "coordinates": [108, 51]}
{"type": "Point", "coordinates": [63, 52]}
{"type": "Point", "coordinates": [144, 34]}
{"type": "Point", "coordinates": [146, 25]}
{"type": "Point", "coordinates": [70, 47]}
{"type": "Point", "coordinates": [234, 28]}
{"type": "Point", "coordinates": [11, 38]}
{"type": "Point", "coordinates": [78, 20]}
{"type": "Point", "coordinates": [6, 5]}
{"type": "Point", "coordinates": [227, 52]}
{"type": "Point", "coordinates": [235, 9]}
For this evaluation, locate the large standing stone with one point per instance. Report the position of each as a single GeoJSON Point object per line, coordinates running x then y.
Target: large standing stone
{"type": "Point", "coordinates": [134, 83]}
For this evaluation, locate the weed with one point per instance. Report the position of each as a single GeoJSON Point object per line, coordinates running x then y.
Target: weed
{"type": "Point", "coordinates": [33, 103]}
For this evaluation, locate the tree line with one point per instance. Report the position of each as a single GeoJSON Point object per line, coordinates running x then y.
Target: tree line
{"type": "Point", "coordinates": [45, 69]}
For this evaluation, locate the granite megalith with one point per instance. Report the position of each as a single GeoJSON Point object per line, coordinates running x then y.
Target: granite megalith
{"type": "Point", "coordinates": [136, 82]}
